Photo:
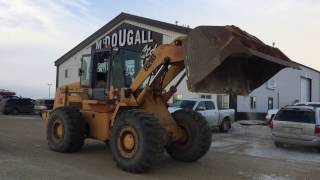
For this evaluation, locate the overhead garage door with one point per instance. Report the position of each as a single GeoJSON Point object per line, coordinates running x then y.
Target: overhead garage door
{"type": "Point", "coordinates": [305, 95]}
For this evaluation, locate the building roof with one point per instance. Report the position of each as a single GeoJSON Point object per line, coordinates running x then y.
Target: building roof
{"type": "Point", "coordinates": [114, 22]}
{"type": "Point", "coordinates": [313, 69]}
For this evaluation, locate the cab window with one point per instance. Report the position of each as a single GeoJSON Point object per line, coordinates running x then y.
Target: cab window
{"type": "Point", "coordinates": [85, 75]}
{"type": "Point", "coordinates": [201, 106]}
{"type": "Point", "coordinates": [209, 105]}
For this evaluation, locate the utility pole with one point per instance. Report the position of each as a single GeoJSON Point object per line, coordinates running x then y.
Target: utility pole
{"type": "Point", "coordinates": [49, 85]}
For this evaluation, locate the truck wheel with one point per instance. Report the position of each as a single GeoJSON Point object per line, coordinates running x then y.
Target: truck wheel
{"type": "Point", "coordinates": [225, 125]}
{"type": "Point", "coordinates": [278, 144]}
{"type": "Point", "coordinates": [137, 141]}
{"type": "Point", "coordinates": [65, 131]}
{"type": "Point", "coordinates": [14, 111]}
{"type": "Point", "coordinates": [198, 139]}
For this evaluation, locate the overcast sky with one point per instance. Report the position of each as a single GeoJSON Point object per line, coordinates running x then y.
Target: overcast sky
{"type": "Point", "coordinates": [34, 33]}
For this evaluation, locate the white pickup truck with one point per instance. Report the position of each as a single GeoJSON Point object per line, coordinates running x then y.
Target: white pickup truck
{"type": "Point", "coordinates": [221, 118]}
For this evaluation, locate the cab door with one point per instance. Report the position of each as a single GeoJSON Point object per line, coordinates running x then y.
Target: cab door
{"type": "Point", "coordinates": [212, 113]}
{"type": "Point", "coordinates": [95, 73]}
{"type": "Point", "coordinates": [206, 112]}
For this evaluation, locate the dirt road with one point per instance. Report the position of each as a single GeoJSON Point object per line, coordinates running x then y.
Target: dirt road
{"type": "Point", "coordinates": [24, 155]}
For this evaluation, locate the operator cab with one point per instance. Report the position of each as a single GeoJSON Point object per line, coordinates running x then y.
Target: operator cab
{"type": "Point", "coordinates": [106, 68]}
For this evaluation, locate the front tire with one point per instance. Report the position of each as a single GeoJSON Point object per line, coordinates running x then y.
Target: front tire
{"type": "Point", "coordinates": [198, 140]}
{"type": "Point", "coordinates": [278, 144]}
{"type": "Point", "coordinates": [65, 131]}
{"type": "Point", "coordinates": [137, 141]}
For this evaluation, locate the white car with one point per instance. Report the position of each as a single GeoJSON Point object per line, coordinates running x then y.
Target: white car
{"type": "Point", "coordinates": [299, 125]}
{"type": "Point", "coordinates": [222, 118]}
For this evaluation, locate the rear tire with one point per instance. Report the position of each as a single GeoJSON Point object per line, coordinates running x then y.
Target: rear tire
{"type": "Point", "coordinates": [199, 137]}
{"type": "Point", "coordinates": [137, 141]}
{"type": "Point", "coordinates": [278, 144]}
{"type": "Point", "coordinates": [5, 112]}
{"type": "Point", "coordinates": [65, 131]}
{"type": "Point", "coordinates": [225, 125]}
{"type": "Point", "coordinates": [14, 111]}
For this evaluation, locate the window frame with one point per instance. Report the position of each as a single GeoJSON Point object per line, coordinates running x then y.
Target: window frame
{"type": "Point", "coordinates": [272, 105]}
{"type": "Point", "coordinates": [90, 73]}
{"type": "Point", "coordinates": [253, 102]}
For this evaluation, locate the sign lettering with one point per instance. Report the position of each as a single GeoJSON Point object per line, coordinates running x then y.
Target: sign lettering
{"type": "Point", "coordinates": [125, 37]}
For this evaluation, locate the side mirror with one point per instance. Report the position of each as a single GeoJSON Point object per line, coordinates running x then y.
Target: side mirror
{"type": "Point", "coordinates": [200, 109]}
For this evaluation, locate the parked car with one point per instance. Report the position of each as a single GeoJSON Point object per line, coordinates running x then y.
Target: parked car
{"type": "Point", "coordinates": [3, 100]}
{"type": "Point", "coordinates": [42, 104]}
{"type": "Point", "coordinates": [299, 125]}
{"type": "Point", "coordinates": [222, 118]}
{"type": "Point", "coordinates": [16, 105]}
{"type": "Point", "coordinates": [270, 114]}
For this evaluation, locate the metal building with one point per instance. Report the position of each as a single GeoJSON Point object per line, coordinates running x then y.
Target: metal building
{"type": "Point", "coordinates": [285, 88]}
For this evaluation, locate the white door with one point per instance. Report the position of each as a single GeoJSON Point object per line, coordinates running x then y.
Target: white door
{"type": "Point", "coordinates": [207, 111]}
{"type": "Point", "coordinates": [305, 92]}
{"type": "Point", "coordinates": [212, 113]}
{"type": "Point", "coordinates": [201, 108]}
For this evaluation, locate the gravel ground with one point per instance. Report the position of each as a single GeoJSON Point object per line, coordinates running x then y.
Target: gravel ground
{"type": "Point", "coordinates": [247, 152]}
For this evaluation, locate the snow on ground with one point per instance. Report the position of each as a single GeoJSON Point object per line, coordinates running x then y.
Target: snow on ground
{"type": "Point", "coordinates": [256, 141]}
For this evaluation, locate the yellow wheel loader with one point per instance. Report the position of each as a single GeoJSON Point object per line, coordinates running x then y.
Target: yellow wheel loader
{"type": "Point", "coordinates": [129, 111]}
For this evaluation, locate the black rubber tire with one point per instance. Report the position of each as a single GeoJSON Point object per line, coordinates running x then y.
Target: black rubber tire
{"type": "Point", "coordinates": [74, 126]}
{"type": "Point", "coordinates": [225, 122]}
{"type": "Point", "coordinates": [199, 140]}
{"type": "Point", "coordinates": [150, 140]}
{"type": "Point", "coordinates": [15, 111]}
{"type": "Point", "coordinates": [278, 144]}
{"type": "Point", "coordinates": [5, 112]}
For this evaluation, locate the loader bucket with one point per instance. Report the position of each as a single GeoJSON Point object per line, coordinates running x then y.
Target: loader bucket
{"type": "Point", "coordinates": [227, 60]}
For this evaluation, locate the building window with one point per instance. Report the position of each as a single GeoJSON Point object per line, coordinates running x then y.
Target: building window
{"type": "Point", "coordinates": [253, 102]}
{"type": "Point", "coordinates": [223, 101]}
{"type": "Point", "coordinates": [67, 73]}
{"type": "Point", "coordinates": [271, 84]}
{"type": "Point", "coordinates": [270, 103]}
{"type": "Point", "coordinates": [177, 97]}
{"type": "Point", "coordinates": [205, 96]}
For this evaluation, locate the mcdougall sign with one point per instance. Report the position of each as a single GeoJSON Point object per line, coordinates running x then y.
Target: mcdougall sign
{"type": "Point", "coordinates": [129, 35]}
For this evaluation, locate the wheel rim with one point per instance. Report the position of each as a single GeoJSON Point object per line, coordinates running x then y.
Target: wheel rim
{"type": "Point", "coordinates": [58, 131]}
{"type": "Point", "coordinates": [186, 135]}
{"type": "Point", "coordinates": [127, 142]}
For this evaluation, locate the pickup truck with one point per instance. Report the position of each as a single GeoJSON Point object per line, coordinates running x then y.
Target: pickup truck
{"type": "Point", "coordinates": [221, 118]}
